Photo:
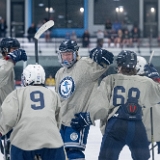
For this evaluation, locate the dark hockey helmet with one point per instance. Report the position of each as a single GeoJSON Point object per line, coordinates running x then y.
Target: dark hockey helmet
{"type": "Point", "coordinates": [127, 59]}
{"type": "Point", "coordinates": [7, 43]}
{"type": "Point", "coordinates": [68, 46]}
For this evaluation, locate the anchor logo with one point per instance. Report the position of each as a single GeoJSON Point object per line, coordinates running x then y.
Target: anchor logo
{"type": "Point", "coordinates": [66, 87]}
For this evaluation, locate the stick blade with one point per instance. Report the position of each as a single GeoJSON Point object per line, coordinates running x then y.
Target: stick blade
{"type": "Point", "coordinates": [43, 28]}
{"type": "Point", "coordinates": [150, 58]}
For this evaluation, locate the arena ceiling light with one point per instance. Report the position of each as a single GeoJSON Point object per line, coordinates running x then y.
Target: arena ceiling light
{"type": "Point", "coordinates": [152, 9]}
{"type": "Point", "coordinates": [41, 4]}
{"type": "Point", "coordinates": [81, 9]}
{"type": "Point", "coordinates": [119, 9]}
{"type": "Point", "coordinates": [51, 10]}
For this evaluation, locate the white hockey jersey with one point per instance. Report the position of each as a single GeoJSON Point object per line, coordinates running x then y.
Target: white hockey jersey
{"type": "Point", "coordinates": [33, 113]}
{"type": "Point", "coordinates": [75, 87]}
{"type": "Point", "coordinates": [6, 79]}
{"type": "Point", "coordinates": [115, 89]}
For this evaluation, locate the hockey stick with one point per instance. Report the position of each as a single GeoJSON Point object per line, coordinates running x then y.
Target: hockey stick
{"type": "Point", "coordinates": [151, 114]}
{"type": "Point", "coordinates": [37, 157]}
{"type": "Point", "coordinates": [6, 148]}
{"type": "Point", "coordinates": [152, 136]}
{"type": "Point", "coordinates": [153, 147]}
{"type": "Point", "coordinates": [150, 58]}
{"type": "Point", "coordinates": [40, 31]}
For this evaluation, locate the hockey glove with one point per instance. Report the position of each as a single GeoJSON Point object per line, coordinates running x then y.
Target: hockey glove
{"type": "Point", "coordinates": [81, 121]}
{"type": "Point", "coordinates": [102, 56]}
{"type": "Point", "coordinates": [17, 55]}
{"type": "Point", "coordinates": [151, 72]}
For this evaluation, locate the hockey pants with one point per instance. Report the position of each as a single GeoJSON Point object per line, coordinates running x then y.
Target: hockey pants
{"type": "Point", "coordinates": [39, 154]}
{"type": "Point", "coordinates": [75, 142]}
{"type": "Point", "coordinates": [119, 133]}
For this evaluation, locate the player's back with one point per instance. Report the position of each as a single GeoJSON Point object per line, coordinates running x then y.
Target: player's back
{"type": "Point", "coordinates": [123, 87]}
{"type": "Point", "coordinates": [36, 112]}
{"type": "Point", "coordinates": [116, 89]}
{"type": "Point", "coordinates": [37, 98]}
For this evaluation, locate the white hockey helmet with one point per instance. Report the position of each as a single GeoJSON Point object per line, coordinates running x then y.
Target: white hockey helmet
{"type": "Point", "coordinates": [33, 74]}
{"type": "Point", "coordinates": [141, 62]}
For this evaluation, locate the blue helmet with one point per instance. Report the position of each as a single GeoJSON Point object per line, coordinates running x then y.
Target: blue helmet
{"type": "Point", "coordinates": [127, 59]}
{"type": "Point", "coordinates": [7, 43]}
{"type": "Point", "coordinates": [68, 46]}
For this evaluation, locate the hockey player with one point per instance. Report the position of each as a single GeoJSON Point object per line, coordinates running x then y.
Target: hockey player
{"type": "Point", "coordinates": [75, 83]}
{"type": "Point", "coordinates": [125, 94]}
{"type": "Point", "coordinates": [141, 62]}
{"type": "Point", "coordinates": [144, 69]}
{"type": "Point", "coordinates": [11, 54]}
{"type": "Point", "coordinates": [33, 112]}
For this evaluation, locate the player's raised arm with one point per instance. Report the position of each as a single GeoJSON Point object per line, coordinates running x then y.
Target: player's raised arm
{"type": "Point", "coordinates": [11, 54]}
{"type": "Point", "coordinates": [76, 81]}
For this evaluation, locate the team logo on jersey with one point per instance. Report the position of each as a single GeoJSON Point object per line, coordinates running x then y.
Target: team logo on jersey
{"type": "Point", "coordinates": [66, 87]}
{"type": "Point", "coordinates": [74, 136]}
{"type": "Point", "coordinates": [132, 108]}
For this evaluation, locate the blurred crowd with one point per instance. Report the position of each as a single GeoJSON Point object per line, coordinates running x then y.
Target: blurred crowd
{"type": "Point", "coordinates": [114, 34]}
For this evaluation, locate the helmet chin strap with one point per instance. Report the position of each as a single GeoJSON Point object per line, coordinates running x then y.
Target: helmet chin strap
{"type": "Point", "coordinates": [65, 63]}
{"type": "Point", "coordinates": [68, 64]}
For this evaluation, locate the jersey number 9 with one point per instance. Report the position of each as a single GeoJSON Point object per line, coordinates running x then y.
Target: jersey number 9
{"type": "Point", "coordinates": [38, 99]}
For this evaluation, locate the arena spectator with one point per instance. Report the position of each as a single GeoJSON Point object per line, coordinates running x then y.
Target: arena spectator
{"type": "Point", "coordinates": [100, 38]}
{"type": "Point", "coordinates": [31, 32]}
{"type": "Point", "coordinates": [108, 25]}
{"type": "Point", "coordinates": [73, 36]}
{"type": "Point", "coordinates": [85, 39]}
{"type": "Point", "coordinates": [47, 33]}
{"type": "Point", "coordinates": [118, 39]}
{"type": "Point", "coordinates": [135, 36]}
{"type": "Point", "coordinates": [67, 36]}
{"type": "Point", "coordinates": [126, 38]}
{"type": "Point", "coordinates": [3, 28]}
{"type": "Point", "coordinates": [112, 38]}
{"type": "Point", "coordinates": [50, 81]}
{"type": "Point", "coordinates": [116, 26]}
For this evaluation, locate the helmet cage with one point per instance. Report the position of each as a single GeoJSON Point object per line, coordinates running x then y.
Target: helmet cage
{"type": "Point", "coordinates": [68, 46]}
{"type": "Point", "coordinates": [66, 63]}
